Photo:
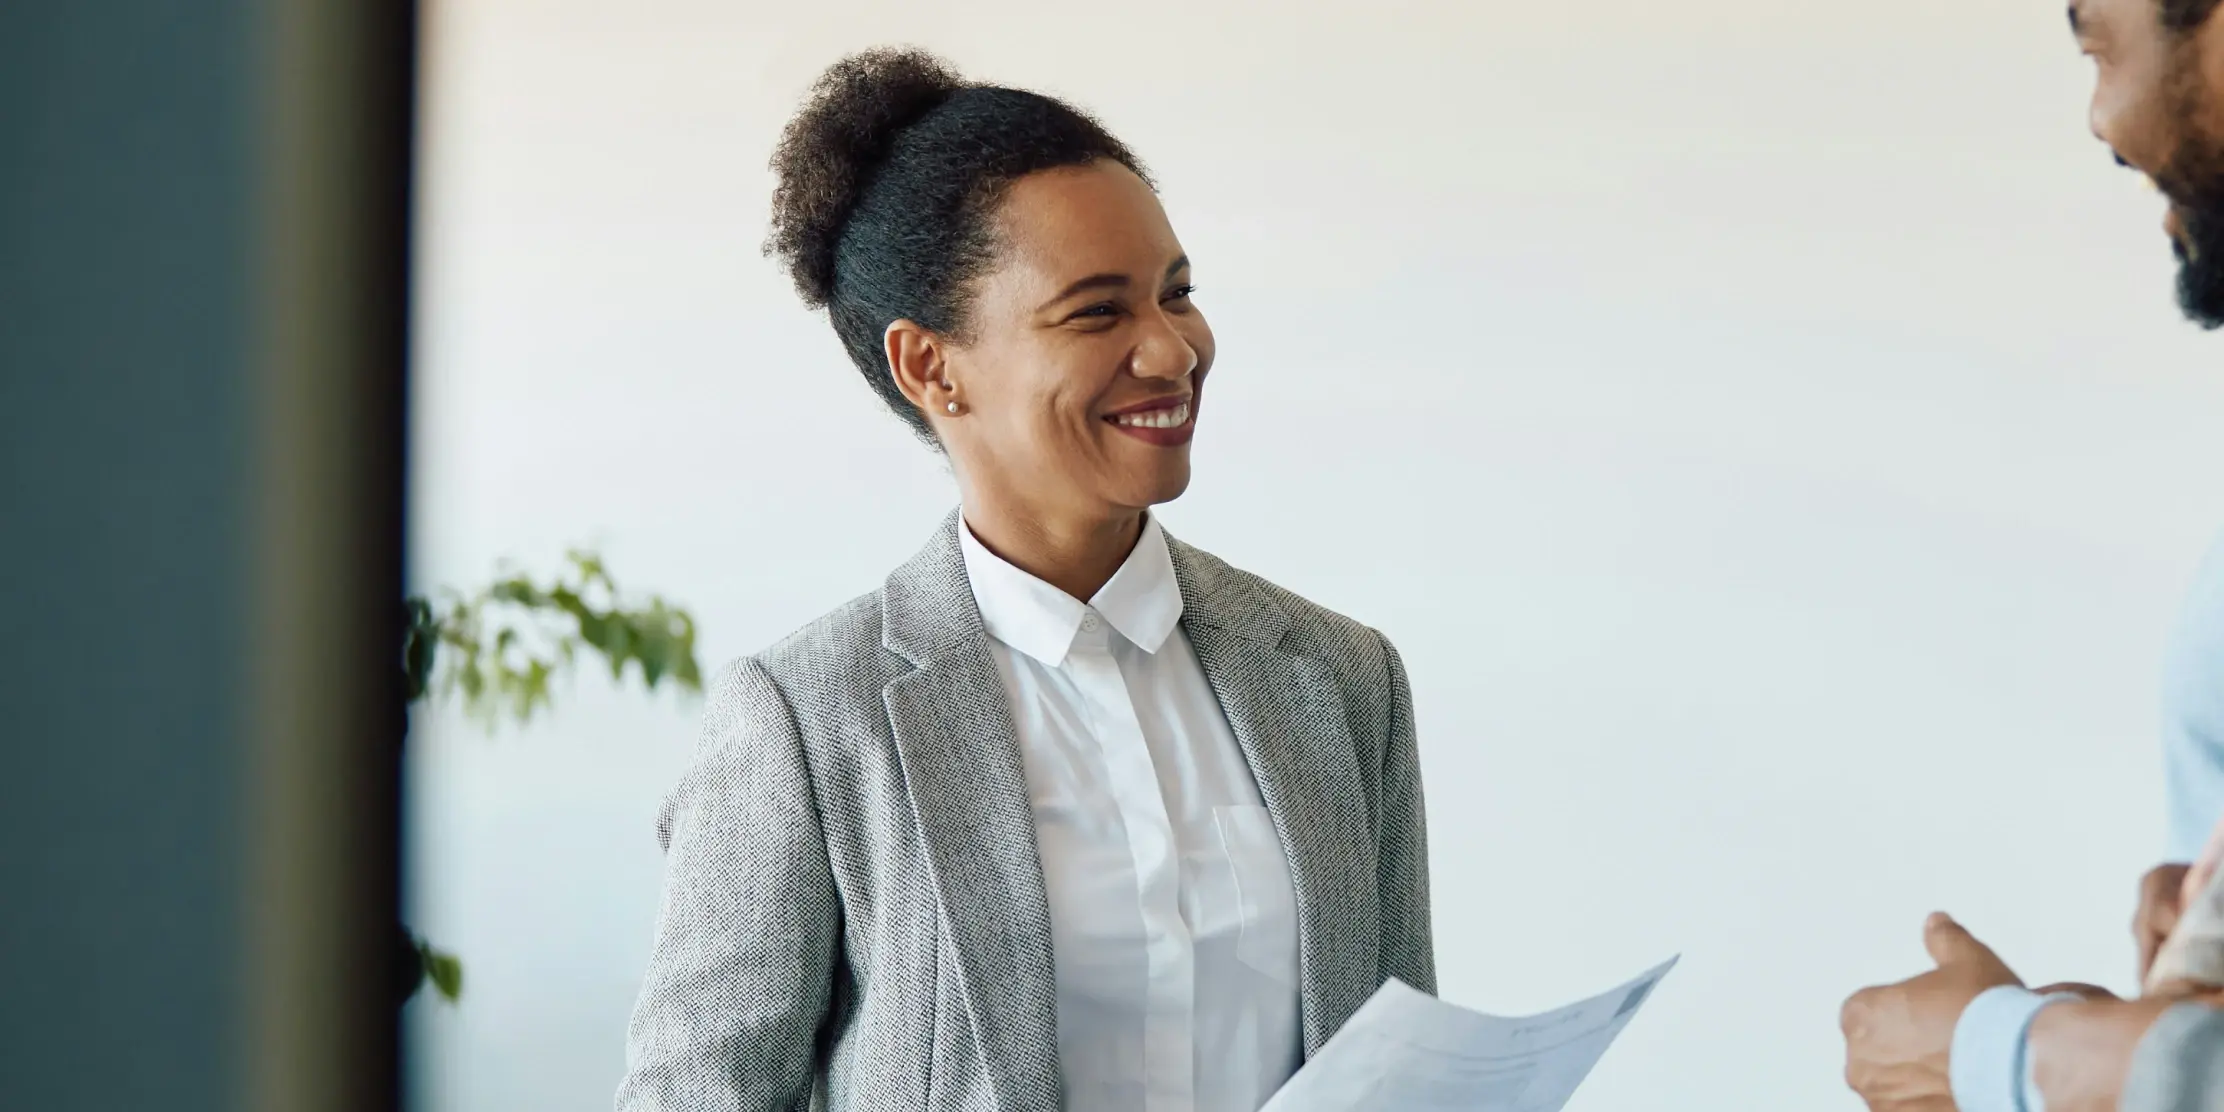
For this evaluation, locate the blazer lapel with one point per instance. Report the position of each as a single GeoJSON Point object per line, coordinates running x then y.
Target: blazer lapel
{"type": "Point", "coordinates": [968, 790]}
{"type": "Point", "coordinates": [1288, 714]}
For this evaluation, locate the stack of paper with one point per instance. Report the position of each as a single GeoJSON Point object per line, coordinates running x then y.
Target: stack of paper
{"type": "Point", "coordinates": [1410, 1051]}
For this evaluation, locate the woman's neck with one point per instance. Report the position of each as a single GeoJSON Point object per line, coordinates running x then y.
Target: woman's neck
{"type": "Point", "coordinates": [1077, 554]}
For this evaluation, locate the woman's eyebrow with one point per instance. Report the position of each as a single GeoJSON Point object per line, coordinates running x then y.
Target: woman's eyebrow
{"type": "Point", "coordinates": [1092, 282]}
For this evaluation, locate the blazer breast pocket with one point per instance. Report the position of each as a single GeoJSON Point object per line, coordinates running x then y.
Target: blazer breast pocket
{"type": "Point", "coordinates": [1267, 902]}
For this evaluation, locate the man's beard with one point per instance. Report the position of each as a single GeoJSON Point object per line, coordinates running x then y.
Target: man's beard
{"type": "Point", "coordinates": [2194, 183]}
{"type": "Point", "coordinates": [2200, 249]}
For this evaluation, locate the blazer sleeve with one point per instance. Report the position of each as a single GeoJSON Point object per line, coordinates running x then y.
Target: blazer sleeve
{"type": "Point", "coordinates": [1408, 947]}
{"type": "Point", "coordinates": [2179, 1064]}
{"type": "Point", "coordinates": [741, 974]}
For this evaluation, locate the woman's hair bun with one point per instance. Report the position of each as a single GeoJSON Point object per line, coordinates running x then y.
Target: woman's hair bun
{"type": "Point", "coordinates": [834, 145]}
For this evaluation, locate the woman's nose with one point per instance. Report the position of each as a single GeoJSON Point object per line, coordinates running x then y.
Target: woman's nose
{"type": "Point", "coordinates": [1163, 351]}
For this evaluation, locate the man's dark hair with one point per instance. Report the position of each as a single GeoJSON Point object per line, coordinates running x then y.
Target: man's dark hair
{"type": "Point", "coordinates": [889, 178]}
{"type": "Point", "coordinates": [2185, 15]}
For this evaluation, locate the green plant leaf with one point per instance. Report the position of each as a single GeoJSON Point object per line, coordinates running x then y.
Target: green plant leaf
{"type": "Point", "coordinates": [507, 643]}
{"type": "Point", "coordinates": [444, 970]}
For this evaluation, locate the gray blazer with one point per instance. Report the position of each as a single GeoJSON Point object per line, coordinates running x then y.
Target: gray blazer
{"type": "Point", "coordinates": [2179, 1063]}
{"type": "Point", "coordinates": [854, 915]}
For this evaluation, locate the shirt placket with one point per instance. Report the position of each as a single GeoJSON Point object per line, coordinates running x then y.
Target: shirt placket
{"type": "Point", "coordinates": [1168, 1053]}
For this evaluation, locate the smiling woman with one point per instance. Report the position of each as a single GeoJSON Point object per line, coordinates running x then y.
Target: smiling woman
{"type": "Point", "coordinates": [1067, 814]}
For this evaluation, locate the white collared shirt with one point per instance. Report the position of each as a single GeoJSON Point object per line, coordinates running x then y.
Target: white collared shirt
{"type": "Point", "coordinates": [1173, 923]}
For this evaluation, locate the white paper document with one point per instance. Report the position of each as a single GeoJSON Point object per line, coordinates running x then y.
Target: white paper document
{"type": "Point", "coordinates": [1410, 1051]}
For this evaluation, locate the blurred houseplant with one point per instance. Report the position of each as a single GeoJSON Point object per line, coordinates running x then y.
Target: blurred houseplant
{"type": "Point", "coordinates": [499, 651]}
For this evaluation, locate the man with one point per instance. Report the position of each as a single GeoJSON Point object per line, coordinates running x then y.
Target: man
{"type": "Point", "coordinates": [1967, 1034]}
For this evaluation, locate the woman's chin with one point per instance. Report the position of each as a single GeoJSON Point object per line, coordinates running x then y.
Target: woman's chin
{"type": "Point", "coordinates": [1161, 485]}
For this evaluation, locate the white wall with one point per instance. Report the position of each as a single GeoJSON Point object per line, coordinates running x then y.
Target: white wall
{"type": "Point", "coordinates": [1764, 428]}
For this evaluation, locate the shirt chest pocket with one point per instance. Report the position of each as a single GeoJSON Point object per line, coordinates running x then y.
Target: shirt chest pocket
{"type": "Point", "coordinates": [1259, 884]}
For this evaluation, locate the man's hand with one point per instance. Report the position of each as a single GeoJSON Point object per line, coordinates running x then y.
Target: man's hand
{"type": "Point", "coordinates": [2161, 901]}
{"type": "Point", "coordinates": [1898, 1036]}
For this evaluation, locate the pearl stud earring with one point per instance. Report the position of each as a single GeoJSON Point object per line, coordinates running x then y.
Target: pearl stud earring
{"type": "Point", "coordinates": [953, 407]}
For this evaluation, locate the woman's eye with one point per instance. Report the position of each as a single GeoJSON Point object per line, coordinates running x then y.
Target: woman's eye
{"type": "Point", "coordinates": [1104, 309]}
{"type": "Point", "coordinates": [1180, 293]}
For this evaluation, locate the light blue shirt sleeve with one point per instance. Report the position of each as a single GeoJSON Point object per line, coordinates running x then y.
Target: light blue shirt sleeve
{"type": "Point", "coordinates": [1987, 1065]}
{"type": "Point", "coordinates": [1990, 1063]}
{"type": "Point", "coordinates": [2193, 714]}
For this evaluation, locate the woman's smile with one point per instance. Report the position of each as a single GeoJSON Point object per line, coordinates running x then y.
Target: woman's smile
{"type": "Point", "coordinates": [1166, 422]}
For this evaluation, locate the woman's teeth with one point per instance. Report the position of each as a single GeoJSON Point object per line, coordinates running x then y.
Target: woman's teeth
{"type": "Point", "coordinates": [1156, 418]}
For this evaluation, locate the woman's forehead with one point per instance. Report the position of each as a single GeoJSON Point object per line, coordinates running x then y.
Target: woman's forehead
{"type": "Point", "coordinates": [1086, 219]}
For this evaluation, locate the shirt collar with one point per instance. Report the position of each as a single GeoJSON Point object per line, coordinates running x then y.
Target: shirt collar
{"type": "Point", "coordinates": [1142, 600]}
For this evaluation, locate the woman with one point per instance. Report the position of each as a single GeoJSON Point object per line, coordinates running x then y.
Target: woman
{"type": "Point", "coordinates": [970, 841]}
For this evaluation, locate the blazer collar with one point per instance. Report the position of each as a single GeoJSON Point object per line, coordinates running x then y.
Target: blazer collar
{"type": "Point", "coordinates": [1213, 596]}
{"type": "Point", "coordinates": [926, 604]}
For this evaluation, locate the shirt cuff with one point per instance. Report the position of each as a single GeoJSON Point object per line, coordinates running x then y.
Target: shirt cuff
{"type": "Point", "coordinates": [1986, 1065]}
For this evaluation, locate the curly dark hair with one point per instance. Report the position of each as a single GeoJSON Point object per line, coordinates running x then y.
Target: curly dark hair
{"type": "Point", "coordinates": [889, 178]}
{"type": "Point", "coordinates": [2185, 15]}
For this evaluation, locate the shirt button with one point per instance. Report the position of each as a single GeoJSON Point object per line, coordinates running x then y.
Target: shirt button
{"type": "Point", "coordinates": [1089, 623]}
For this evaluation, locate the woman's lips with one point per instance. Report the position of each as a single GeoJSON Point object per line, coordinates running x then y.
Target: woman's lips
{"type": "Point", "coordinates": [1167, 426]}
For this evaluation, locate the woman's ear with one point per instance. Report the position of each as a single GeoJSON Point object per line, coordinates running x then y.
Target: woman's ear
{"type": "Point", "coordinates": [916, 360]}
